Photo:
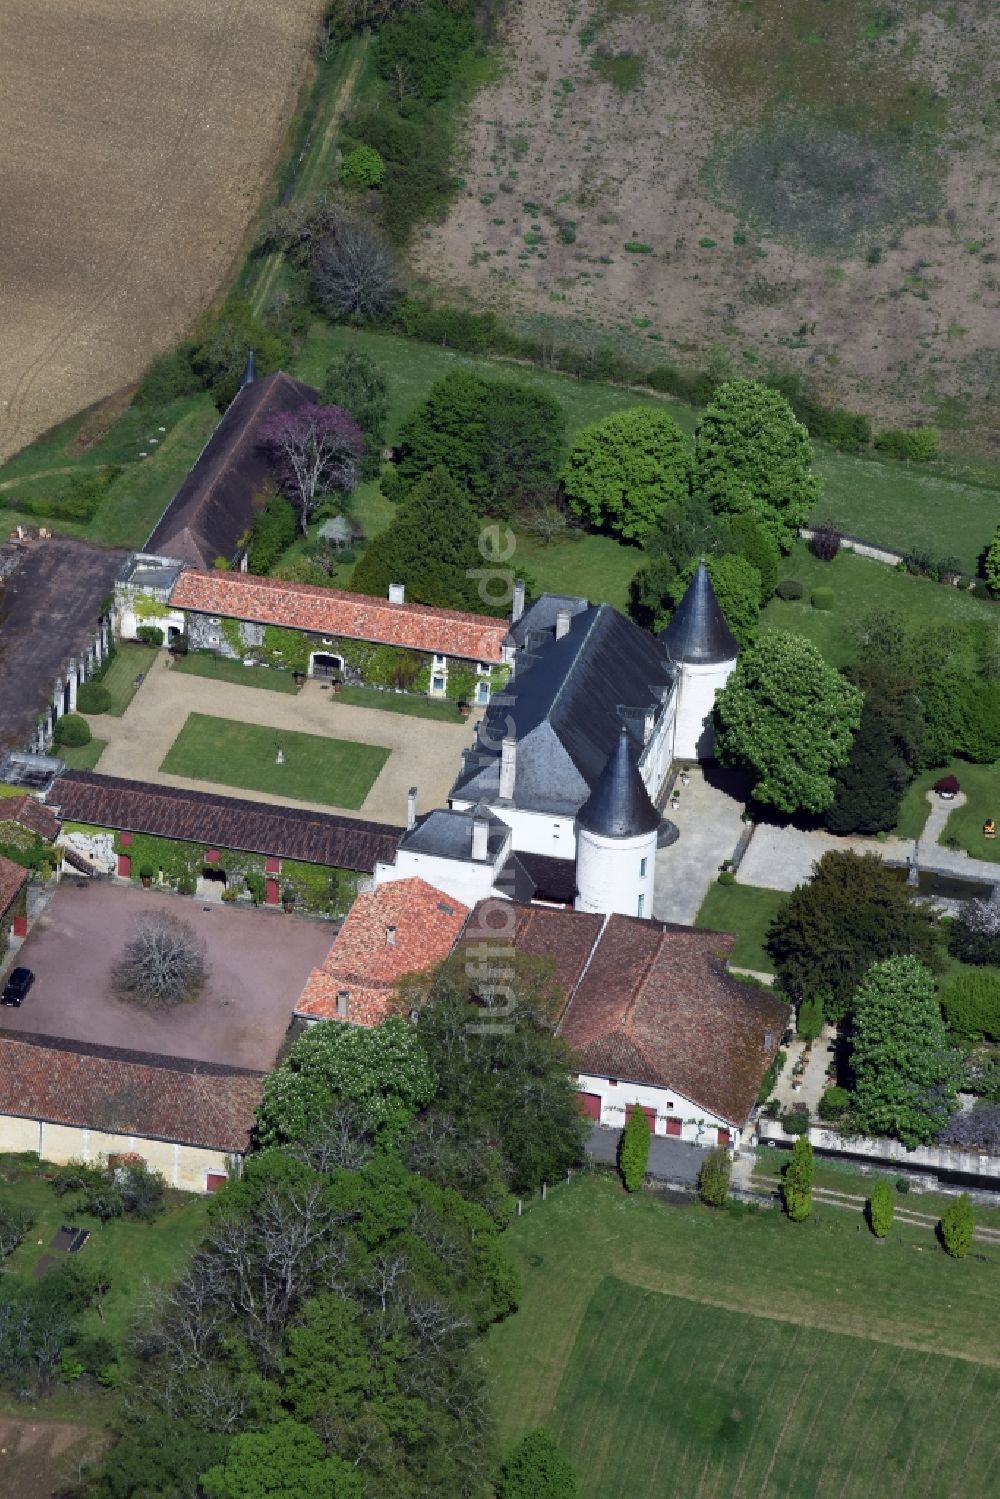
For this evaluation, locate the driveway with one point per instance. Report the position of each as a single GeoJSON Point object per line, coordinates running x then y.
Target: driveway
{"type": "Point", "coordinates": [709, 816]}
{"type": "Point", "coordinates": [669, 1160]}
{"type": "Point", "coordinates": [259, 962]}
{"type": "Point", "coordinates": [424, 752]}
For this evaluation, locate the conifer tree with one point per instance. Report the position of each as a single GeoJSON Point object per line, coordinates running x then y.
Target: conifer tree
{"type": "Point", "coordinates": [633, 1153]}
{"type": "Point", "coordinates": [957, 1223]}
{"type": "Point", "coordinates": [798, 1180]}
{"type": "Point", "coordinates": [430, 546]}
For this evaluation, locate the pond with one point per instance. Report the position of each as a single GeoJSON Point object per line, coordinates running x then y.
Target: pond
{"type": "Point", "coordinates": [946, 886]}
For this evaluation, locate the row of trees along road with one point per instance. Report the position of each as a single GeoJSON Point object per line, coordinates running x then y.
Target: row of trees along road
{"type": "Point", "coordinates": [320, 1344]}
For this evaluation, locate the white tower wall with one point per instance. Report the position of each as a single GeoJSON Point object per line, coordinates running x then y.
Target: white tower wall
{"type": "Point", "coordinates": [694, 737]}
{"type": "Point", "coordinates": [610, 877]}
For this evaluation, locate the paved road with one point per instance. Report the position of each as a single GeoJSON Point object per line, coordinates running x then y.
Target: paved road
{"type": "Point", "coordinates": [669, 1160]}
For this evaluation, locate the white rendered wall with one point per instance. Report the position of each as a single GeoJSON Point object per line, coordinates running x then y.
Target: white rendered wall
{"type": "Point", "coordinates": [696, 693]}
{"type": "Point", "coordinates": [461, 879]}
{"type": "Point", "coordinates": [535, 832]}
{"type": "Point", "coordinates": [186, 1167]}
{"type": "Point", "coordinates": [698, 1125]}
{"type": "Point", "coordinates": [657, 756]}
{"type": "Point", "coordinates": [608, 876]}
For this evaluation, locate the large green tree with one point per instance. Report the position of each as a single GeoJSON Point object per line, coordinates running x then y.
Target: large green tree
{"type": "Point", "coordinates": [904, 1070]}
{"type": "Point", "coordinates": [869, 788]}
{"type": "Point", "coordinates": [752, 456]}
{"type": "Point", "coordinates": [992, 563]}
{"type": "Point", "coordinates": [536, 1469]}
{"type": "Point", "coordinates": [431, 546]}
{"type": "Point", "coordinates": [354, 381]}
{"type": "Point", "coordinates": [788, 717]}
{"type": "Point", "coordinates": [286, 1461]}
{"type": "Point", "coordinates": [624, 472]}
{"type": "Point", "coordinates": [223, 339]}
{"type": "Point", "coordinates": [496, 438]}
{"type": "Point", "coordinates": [737, 587]}
{"type": "Point", "coordinates": [849, 913]}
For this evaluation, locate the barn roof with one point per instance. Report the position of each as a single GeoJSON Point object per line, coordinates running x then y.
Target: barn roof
{"type": "Point", "coordinates": [12, 878]}
{"type": "Point", "coordinates": [28, 812]}
{"type": "Point", "coordinates": [223, 821]}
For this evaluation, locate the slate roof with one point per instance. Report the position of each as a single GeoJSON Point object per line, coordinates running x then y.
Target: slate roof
{"type": "Point", "coordinates": [656, 1006]}
{"type": "Point", "coordinates": [540, 616]}
{"type": "Point", "coordinates": [128, 1093]}
{"type": "Point", "coordinates": [568, 700]}
{"type": "Point", "coordinates": [444, 834]}
{"type": "Point", "coordinates": [567, 937]}
{"type": "Point", "coordinates": [619, 805]}
{"type": "Point", "coordinates": [30, 813]}
{"type": "Point", "coordinates": [545, 878]}
{"type": "Point", "coordinates": [12, 877]}
{"type": "Point", "coordinates": [216, 501]}
{"type": "Point", "coordinates": [331, 612]}
{"type": "Point", "coordinates": [697, 632]}
{"type": "Point", "coordinates": [223, 821]}
{"type": "Point", "coordinates": [424, 924]}
{"type": "Point", "coordinates": [50, 606]}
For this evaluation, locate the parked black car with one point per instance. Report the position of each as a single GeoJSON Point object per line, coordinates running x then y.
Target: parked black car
{"type": "Point", "coordinates": [17, 986]}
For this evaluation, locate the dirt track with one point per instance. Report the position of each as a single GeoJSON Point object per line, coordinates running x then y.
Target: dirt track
{"type": "Point", "coordinates": [138, 141]}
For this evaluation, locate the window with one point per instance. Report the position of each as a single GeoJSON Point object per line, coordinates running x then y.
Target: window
{"type": "Point", "coordinates": [612, 1082]}
{"type": "Point", "coordinates": [642, 902]}
{"type": "Point", "coordinates": [437, 682]}
{"type": "Point", "coordinates": [483, 668]}
{"type": "Point", "coordinates": [440, 662]}
{"type": "Point", "coordinates": [482, 692]}
{"type": "Point", "coordinates": [642, 868]}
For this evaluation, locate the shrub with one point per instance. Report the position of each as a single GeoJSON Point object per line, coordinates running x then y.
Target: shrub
{"type": "Point", "coordinates": [726, 877]}
{"type": "Point", "coordinates": [633, 1151]}
{"type": "Point", "coordinates": [975, 933]}
{"type": "Point", "coordinates": [902, 1185]}
{"type": "Point", "coordinates": [15, 1222]}
{"type": "Point", "coordinates": [825, 541]}
{"type": "Point", "coordinates": [834, 1103]}
{"type": "Point", "coordinates": [971, 1005]}
{"type": "Point", "coordinates": [180, 645]}
{"type": "Point", "coordinates": [797, 1182]}
{"type": "Point", "coordinates": [795, 1121]}
{"type": "Point", "coordinates": [822, 598]}
{"type": "Point", "coordinates": [362, 167]}
{"type": "Point", "coordinates": [957, 1223]}
{"type": "Point", "coordinates": [169, 377]}
{"type": "Point", "coordinates": [809, 1023]}
{"type": "Point", "coordinates": [536, 1469]}
{"type": "Point", "coordinates": [881, 1207]}
{"type": "Point", "coordinates": [636, 247]}
{"type": "Point", "coordinates": [789, 589]}
{"type": "Point", "coordinates": [93, 697]}
{"type": "Point", "coordinates": [948, 786]}
{"type": "Point", "coordinates": [72, 731]}
{"type": "Point", "coordinates": [149, 635]}
{"type": "Point", "coordinates": [713, 1178]}
{"type": "Point", "coordinates": [918, 445]}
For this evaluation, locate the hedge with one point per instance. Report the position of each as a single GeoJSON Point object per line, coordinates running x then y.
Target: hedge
{"type": "Point", "coordinates": [72, 731]}
{"type": "Point", "coordinates": [789, 589]}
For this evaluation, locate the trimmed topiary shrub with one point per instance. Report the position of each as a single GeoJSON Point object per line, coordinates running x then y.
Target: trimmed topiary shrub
{"type": "Point", "coordinates": [797, 1182]}
{"type": "Point", "coordinates": [149, 635]}
{"type": "Point", "coordinates": [93, 697]}
{"type": "Point", "coordinates": [714, 1176]}
{"type": "Point", "coordinates": [633, 1151]}
{"type": "Point", "coordinates": [822, 598]}
{"type": "Point", "coordinates": [880, 1209]}
{"type": "Point", "coordinates": [834, 1103]}
{"type": "Point", "coordinates": [795, 1121]}
{"type": "Point", "coordinates": [809, 1022]}
{"type": "Point", "coordinates": [72, 731]}
{"type": "Point", "coordinates": [825, 542]}
{"type": "Point", "coordinates": [957, 1223]}
{"type": "Point", "coordinates": [789, 589]}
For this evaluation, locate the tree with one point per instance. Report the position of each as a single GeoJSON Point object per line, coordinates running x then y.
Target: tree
{"type": "Point", "coordinates": [904, 1070]}
{"type": "Point", "coordinates": [752, 457]}
{"type": "Point", "coordinates": [425, 44]}
{"type": "Point", "coordinates": [714, 1176]}
{"type": "Point", "coordinates": [971, 1005]}
{"type": "Point", "coordinates": [851, 912]}
{"type": "Point", "coordinates": [287, 1461]}
{"type": "Point", "coordinates": [633, 1149]}
{"type": "Point", "coordinates": [162, 1458]}
{"type": "Point", "coordinates": [273, 531]}
{"type": "Point", "coordinates": [362, 167]}
{"type": "Point", "coordinates": [991, 566]}
{"type": "Point", "coordinates": [497, 439]}
{"type": "Point", "coordinates": [788, 717]}
{"type": "Point", "coordinates": [384, 1071]}
{"type": "Point", "coordinates": [975, 932]}
{"type": "Point", "coordinates": [164, 964]}
{"type": "Point", "coordinates": [760, 550]}
{"type": "Point", "coordinates": [796, 1186]}
{"type": "Point", "coordinates": [355, 382]}
{"type": "Point", "coordinates": [536, 1469]}
{"type": "Point", "coordinates": [431, 545]}
{"type": "Point", "coordinates": [956, 1227]}
{"type": "Point", "coordinates": [624, 472]}
{"type": "Point", "coordinates": [354, 274]}
{"type": "Point", "coordinates": [315, 449]}
{"type": "Point", "coordinates": [222, 340]}
{"type": "Point", "coordinates": [868, 789]}
{"type": "Point", "coordinates": [881, 1208]}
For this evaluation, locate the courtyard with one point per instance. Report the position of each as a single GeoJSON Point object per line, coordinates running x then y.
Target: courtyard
{"type": "Point", "coordinates": [258, 961]}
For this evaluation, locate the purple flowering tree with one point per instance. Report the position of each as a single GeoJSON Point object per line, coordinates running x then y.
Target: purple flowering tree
{"type": "Point", "coordinates": [315, 449]}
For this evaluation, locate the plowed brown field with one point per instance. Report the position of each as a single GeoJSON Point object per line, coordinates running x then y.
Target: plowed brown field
{"type": "Point", "coordinates": [138, 140]}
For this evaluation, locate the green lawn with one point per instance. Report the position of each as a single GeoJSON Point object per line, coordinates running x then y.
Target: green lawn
{"type": "Point", "coordinates": [859, 586]}
{"type": "Point", "coordinates": [316, 769]}
{"type": "Point", "coordinates": [746, 1354]}
{"type": "Point", "coordinates": [128, 662]}
{"type": "Point", "coordinates": [221, 669]}
{"type": "Point", "coordinates": [597, 567]}
{"type": "Point", "coordinates": [915, 809]}
{"type": "Point", "coordinates": [398, 702]}
{"type": "Point", "coordinates": [981, 784]}
{"type": "Point", "coordinates": [84, 757]}
{"type": "Point", "coordinates": [747, 910]}
{"type": "Point", "coordinates": [135, 501]}
{"type": "Point", "coordinates": [845, 1176]}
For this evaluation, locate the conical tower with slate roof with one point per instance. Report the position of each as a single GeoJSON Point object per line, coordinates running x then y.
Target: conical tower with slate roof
{"type": "Point", "coordinates": [616, 839]}
{"type": "Point", "coordinates": [702, 648]}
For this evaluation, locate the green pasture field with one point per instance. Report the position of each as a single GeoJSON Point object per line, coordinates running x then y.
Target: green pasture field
{"type": "Point", "coordinates": [316, 769]}
{"type": "Point", "coordinates": [677, 1350]}
{"type": "Point", "coordinates": [746, 910]}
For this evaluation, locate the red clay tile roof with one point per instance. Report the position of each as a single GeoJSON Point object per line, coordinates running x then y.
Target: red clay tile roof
{"type": "Point", "coordinates": [331, 612]}
{"type": "Point", "coordinates": [12, 877]}
{"type": "Point", "coordinates": [656, 1006]}
{"type": "Point", "coordinates": [119, 1092]}
{"type": "Point", "coordinates": [31, 814]}
{"type": "Point", "coordinates": [367, 965]}
{"type": "Point", "coordinates": [567, 937]}
{"type": "Point", "coordinates": [223, 821]}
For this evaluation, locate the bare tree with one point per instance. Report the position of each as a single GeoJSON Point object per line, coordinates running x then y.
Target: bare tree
{"type": "Point", "coordinates": [354, 273]}
{"type": "Point", "coordinates": [543, 516]}
{"type": "Point", "coordinates": [164, 964]}
{"type": "Point", "coordinates": [315, 449]}
{"type": "Point", "coordinates": [298, 226]}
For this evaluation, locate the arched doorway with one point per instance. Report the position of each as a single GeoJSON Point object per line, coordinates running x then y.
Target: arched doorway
{"type": "Point", "coordinates": [326, 666]}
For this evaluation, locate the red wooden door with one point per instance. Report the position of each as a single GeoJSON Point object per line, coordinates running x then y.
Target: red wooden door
{"type": "Point", "coordinates": [270, 892]}
{"type": "Point", "coordinates": [723, 1137]}
{"type": "Point", "coordinates": [124, 866]}
{"type": "Point", "coordinates": [590, 1105]}
{"type": "Point", "coordinates": [674, 1126]}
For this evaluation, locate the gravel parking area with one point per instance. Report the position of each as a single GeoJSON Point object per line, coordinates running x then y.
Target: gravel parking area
{"type": "Point", "coordinates": [259, 961]}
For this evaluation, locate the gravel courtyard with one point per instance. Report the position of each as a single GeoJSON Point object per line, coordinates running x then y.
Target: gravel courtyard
{"type": "Point", "coordinates": [258, 963]}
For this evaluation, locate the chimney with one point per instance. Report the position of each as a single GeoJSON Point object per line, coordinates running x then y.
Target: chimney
{"type": "Point", "coordinates": [480, 837]}
{"type": "Point", "coordinates": [390, 936]}
{"type": "Point", "coordinates": [342, 998]}
{"type": "Point", "coordinates": [397, 593]}
{"type": "Point", "coordinates": [508, 767]}
{"type": "Point", "coordinates": [411, 809]}
{"type": "Point", "coordinates": [562, 623]}
{"type": "Point", "coordinates": [517, 607]}
{"type": "Point", "coordinates": [647, 725]}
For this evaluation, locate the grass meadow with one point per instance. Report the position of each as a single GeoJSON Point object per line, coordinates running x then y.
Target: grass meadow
{"type": "Point", "coordinates": [676, 1350]}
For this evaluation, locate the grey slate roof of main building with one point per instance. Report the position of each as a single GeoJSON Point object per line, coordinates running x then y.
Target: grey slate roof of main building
{"type": "Point", "coordinates": [567, 702]}
{"type": "Point", "coordinates": [448, 835]}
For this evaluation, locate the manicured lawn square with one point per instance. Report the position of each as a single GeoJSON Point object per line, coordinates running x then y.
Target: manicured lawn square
{"type": "Point", "coordinates": [746, 910]}
{"type": "Point", "coordinates": [315, 769]}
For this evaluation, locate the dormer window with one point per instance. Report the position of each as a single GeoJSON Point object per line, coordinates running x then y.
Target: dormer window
{"type": "Point", "coordinates": [390, 936]}
{"type": "Point", "coordinates": [483, 668]}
